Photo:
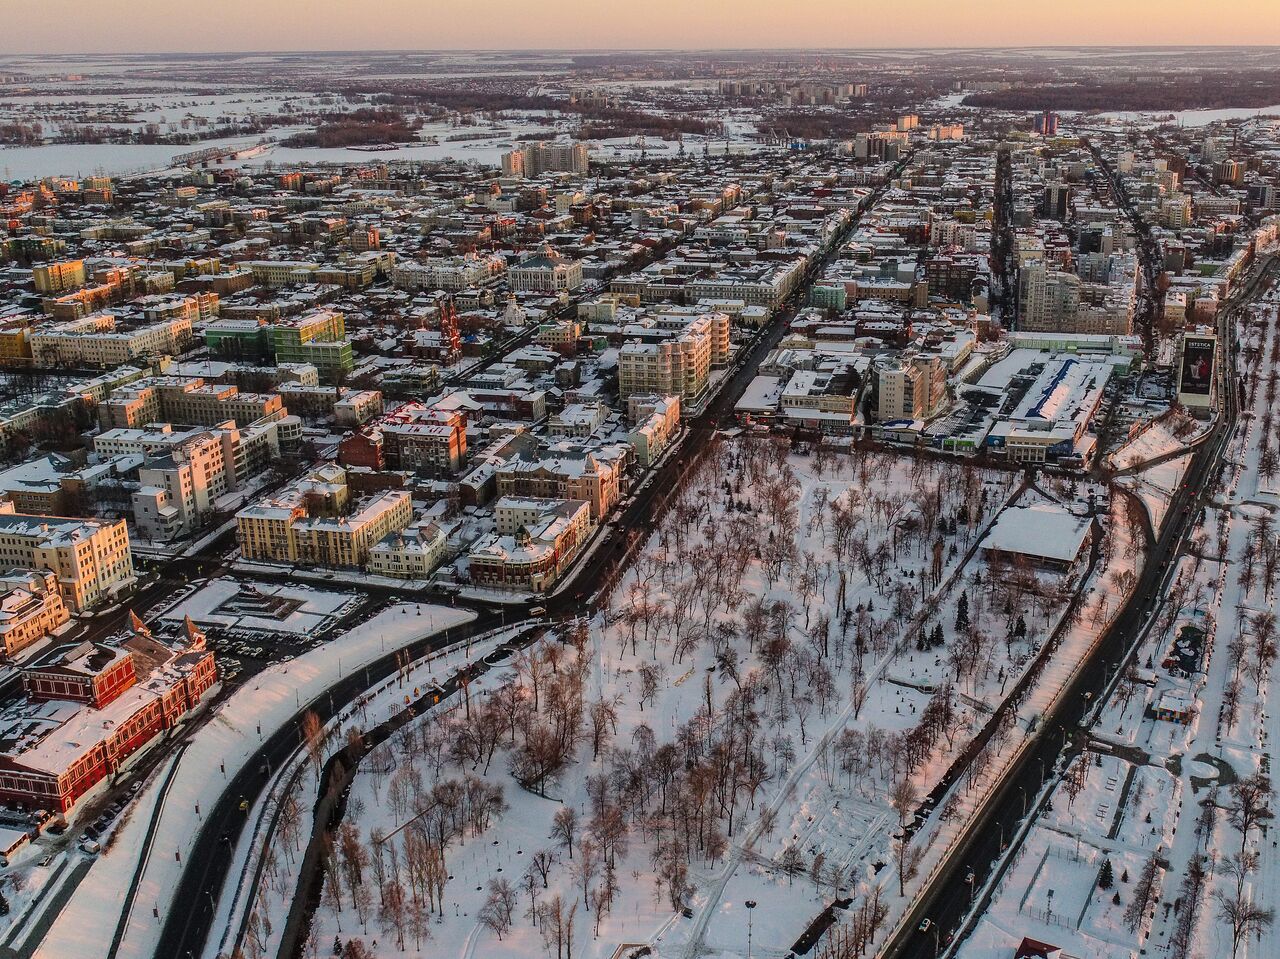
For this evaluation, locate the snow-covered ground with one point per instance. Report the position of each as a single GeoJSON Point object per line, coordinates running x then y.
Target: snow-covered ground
{"type": "Point", "coordinates": [755, 715]}
{"type": "Point", "coordinates": [1187, 725]}
{"type": "Point", "coordinates": [226, 741]}
{"type": "Point", "coordinates": [233, 605]}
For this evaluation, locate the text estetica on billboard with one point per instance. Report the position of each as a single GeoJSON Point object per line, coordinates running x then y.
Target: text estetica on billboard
{"type": "Point", "coordinates": [1197, 366]}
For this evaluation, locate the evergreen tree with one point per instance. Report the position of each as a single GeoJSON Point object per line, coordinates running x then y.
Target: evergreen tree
{"type": "Point", "coordinates": [1106, 877]}
{"type": "Point", "coordinates": [962, 613]}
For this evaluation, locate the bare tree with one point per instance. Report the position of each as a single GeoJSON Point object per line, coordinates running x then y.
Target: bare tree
{"type": "Point", "coordinates": [1245, 915]}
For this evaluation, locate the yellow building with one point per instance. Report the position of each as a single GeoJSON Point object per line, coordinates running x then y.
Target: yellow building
{"type": "Point", "coordinates": [313, 522]}
{"type": "Point", "coordinates": [30, 608]}
{"type": "Point", "coordinates": [90, 558]}
{"type": "Point", "coordinates": [54, 278]}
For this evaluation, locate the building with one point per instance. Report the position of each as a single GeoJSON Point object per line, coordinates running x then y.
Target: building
{"type": "Point", "coordinates": [89, 707]}
{"type": "Point", "coordinates": [821, 400]}
{"type": "Point", "coordinates": [596, 477]}
{"type": "Point", "coordinates": [412, 553]}
{"type": "Point", "coordinates": [546, 272]}
{"type": "Point", "coordinates": [675, 361]}
{"type": "Point", "coordinates": [451, 274]}
{"type": "Point", "coordinates": [538, 158]}
{"type": "Point", "coordinates": [1197, 369]}
{"type": "Point", "coordinates": [1043, 534]}
{"type": "Point", "coordinates": [357, 407]}
{"type": "Point", "coordinates": [577, 420]}
{"type": "Point", "coordinates": [179, 486]}
{"type": "Point", "coordinates": [536, 541]}
{"type": "Point", "coordinates": [316, 522]}
{"type": "Point", "coordinates": [413, 437]}
{"type": "Point", "coordinates": [656, 419]}
{"type": "Point", "coordinates": [1046, 123]}
{"type": "Point", "coordinates": [31, 608]}
{"type": "Point", "coordinates": [909, 386]}
{"type": "Point", "coordinates": [185, 400]}
{"type": "Point", "coordinates": [95, 342]}
{"type": "Point", "coordinates": [1099, 300]}
{"type": "Point", "coordinates": [61, 277]}
{"type": "Point", "coordinates": [319, 338]}
{"type": "Point", "coordinates": [90, 558]}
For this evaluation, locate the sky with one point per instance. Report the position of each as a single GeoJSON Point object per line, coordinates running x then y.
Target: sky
{"type": "Point", "coordinates": [123, 26]}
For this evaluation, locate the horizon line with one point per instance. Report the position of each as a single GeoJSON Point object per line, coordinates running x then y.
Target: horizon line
{"type": "Point", "coordinates": [596, 50]}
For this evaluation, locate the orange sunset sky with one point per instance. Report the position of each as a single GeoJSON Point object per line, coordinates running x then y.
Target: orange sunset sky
{"type": "Point", "coordinates": [179, 25]}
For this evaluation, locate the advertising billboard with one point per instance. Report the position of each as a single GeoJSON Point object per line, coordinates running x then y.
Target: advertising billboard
{"type": "Point", "coordinates": [1196, 378]}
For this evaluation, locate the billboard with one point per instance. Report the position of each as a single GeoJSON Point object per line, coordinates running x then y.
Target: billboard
{"type": "Point", "coordinates": [1196, 377]}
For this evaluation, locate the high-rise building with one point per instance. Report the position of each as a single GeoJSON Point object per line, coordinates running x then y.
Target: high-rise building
{"type": "Point", "coordinates": [538, 158]}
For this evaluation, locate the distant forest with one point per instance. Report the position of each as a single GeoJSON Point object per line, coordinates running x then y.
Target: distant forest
{"type": "Point", "coordinates": [1256, 88]}
{"type": "Point", "coordinates": [358, 128]}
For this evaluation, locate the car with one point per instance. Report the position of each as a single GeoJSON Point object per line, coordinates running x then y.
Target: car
{"type": "Point", "coordinates": [46, 860]}
{"type": "Point", "coordinates": [925, 925]}
{"type": "Point", "coordinates": [90, 846]}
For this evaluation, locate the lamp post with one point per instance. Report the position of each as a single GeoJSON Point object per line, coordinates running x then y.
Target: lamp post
{"type": "Point", "coordinates": [751, 904]}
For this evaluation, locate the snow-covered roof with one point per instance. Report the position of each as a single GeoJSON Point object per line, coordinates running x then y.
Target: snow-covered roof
{"type": "Point", "coordinates": [1042, 529]}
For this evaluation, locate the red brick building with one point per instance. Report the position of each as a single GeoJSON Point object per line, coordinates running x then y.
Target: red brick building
{"type": "Point", "coordinates": [87, 712]}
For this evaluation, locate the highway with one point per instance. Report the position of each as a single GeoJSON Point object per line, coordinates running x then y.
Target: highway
{"type": "Point", "coordinates": [946, 903]}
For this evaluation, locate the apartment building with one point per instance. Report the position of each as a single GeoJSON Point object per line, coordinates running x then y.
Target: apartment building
{"type": "Point", "coordinates": [61, 277]}
{"type": "Point", "coordinates": [31, 608]}
{"type": "Point", "coordinates": [413, 437]}
{"type": "Point", "coordinates": [910, 386]}
{"type": "Point", "coordinates": [178, 488]}
{"type": "Point", "coordinates": [680, 364]}
{"type": "Point", "coordinates": [538, 158]}
{"type": "Point", "coordinates": [451, 274]}
{"type": "Point", "coordinates": [316, 522]}
{"type": "Point", "coordinates": [96, 342]}
{"type": "Point", "coordinates": [544, 536]}
{"type": "Point", "coordinates": [90, 558]}
{"type": "Point", "coordinates": [577, 420]}
{"type": "Point", "coordinates": [280, 273]}
{"type": "Point", "coordinates": [187, 400]}
{"type": "Point", "coordinates": [246, 450]}
{"type": "Point", "coordinates": [656, 419]}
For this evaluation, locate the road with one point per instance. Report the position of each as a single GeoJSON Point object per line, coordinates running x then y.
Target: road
{"type": "Point", "coordinates": [1150, 299]}
{"type": "Point", "coordinates": [186, 929]}
{"type": "Point", "coordinates": [946, 902]}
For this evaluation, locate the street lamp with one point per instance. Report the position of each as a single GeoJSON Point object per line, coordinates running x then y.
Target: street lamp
{"type": "Point", "coordinates": [751, 904]}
